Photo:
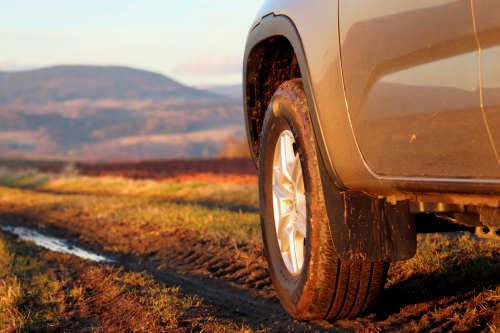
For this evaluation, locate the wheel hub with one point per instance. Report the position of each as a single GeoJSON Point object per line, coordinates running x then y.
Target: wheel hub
{"type": "Point", "coordinates": [289, 203]}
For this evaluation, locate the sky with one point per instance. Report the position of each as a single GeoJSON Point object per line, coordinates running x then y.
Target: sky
{"type": "Point", "coordinates": [196, 42]}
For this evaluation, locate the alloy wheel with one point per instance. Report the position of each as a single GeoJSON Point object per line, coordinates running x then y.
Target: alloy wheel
{"type": "Point", "coordinates": [289, 203]}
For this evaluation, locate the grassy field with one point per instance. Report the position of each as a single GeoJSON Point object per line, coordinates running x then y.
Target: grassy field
{"type": "Point", "coordinates": [42, 290]}
{"type": "Point", "coordinates": [453, 280]}
{"type": "Point", "coordinates": [213, 210]}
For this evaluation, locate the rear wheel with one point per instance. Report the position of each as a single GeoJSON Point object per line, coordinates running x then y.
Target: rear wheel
{"type": "Point", "coordinates": [311, 281]}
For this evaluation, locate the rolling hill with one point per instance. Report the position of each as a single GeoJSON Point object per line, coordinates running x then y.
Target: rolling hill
{"type": "Point", "coordinates": [64, 83]}
{"type": "Point", "coordinates": [108, 113]}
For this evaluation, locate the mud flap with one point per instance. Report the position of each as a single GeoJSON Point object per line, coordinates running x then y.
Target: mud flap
{"type": "Point", "coordinates": [368, 229]}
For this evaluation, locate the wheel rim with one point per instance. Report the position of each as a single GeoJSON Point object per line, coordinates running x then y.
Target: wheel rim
{"type": "Point", "coordinates": [289, 203]}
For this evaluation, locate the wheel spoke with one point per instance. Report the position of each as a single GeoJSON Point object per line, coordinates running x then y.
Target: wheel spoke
{"type": "Point", "coordinates": [278, 174]}
{"type": "Point", "coordinates": [296, 171]}
{"type": "Point", "coordinates": [286, 157]}
{"type": "Point", "coordinates": [299, 252]}
{"type": "Point", "coordinates": [293, 249]}
{"type": "Point", "coordinates": [285, 191]}
{"type": "Point", "coordinates": [301, 205]}
{"type": "Point", "coordinates": [286, 223]}
{"type": "Point", "coordinates": [284, 207]}
{"type": "Point", "coordinates": [301, 225]}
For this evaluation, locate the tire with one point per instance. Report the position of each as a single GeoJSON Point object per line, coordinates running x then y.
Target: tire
{"type": "Point", "coordinates": [319, 285]}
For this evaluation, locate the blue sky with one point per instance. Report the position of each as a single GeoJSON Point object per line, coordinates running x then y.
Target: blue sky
{"type": "Point", "coordinates": [192, 41]}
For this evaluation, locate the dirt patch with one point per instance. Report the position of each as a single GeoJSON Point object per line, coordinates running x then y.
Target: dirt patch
{"type": "Point", "coordinates": [235, 277]}
{"type": "Point", "coordinates": [67, 294]}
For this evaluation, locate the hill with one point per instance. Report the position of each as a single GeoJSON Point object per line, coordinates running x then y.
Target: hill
{"type": "Point", "coordinates": [234, 90]}
{"type": "Point", "coordinates": [111, 113]}
{"type": "Point", "coordinates": [63, 83]}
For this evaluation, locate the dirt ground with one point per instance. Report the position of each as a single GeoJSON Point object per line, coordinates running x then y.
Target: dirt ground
{"type": "Point", "coordinates": [452, 284]}
{"type": "Point", "coordinates": [234, 282]}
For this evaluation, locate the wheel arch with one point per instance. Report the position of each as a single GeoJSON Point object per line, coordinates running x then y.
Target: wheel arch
{"type": "Point", "coordinates": [268, 62]}
{"type": "Point", "coordinates": [264, 70]}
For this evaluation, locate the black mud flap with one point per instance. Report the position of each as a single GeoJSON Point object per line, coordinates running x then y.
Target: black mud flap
{"type": "Point", "coordinates": [368, 229]}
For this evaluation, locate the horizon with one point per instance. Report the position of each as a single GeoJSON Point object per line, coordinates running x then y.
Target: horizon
{"type": "Point", "coordinates": [195, 86]}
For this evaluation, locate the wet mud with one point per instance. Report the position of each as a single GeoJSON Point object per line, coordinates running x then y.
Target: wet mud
{"type": "Point", "coordinates": [234, 278]}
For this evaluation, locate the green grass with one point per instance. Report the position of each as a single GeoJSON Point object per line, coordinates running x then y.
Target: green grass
{"type": "Point", "coordinates": [447, 267]}
{"type": "Point", "coordinates": [441, 254]}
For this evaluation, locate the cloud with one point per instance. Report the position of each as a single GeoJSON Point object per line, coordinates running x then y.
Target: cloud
{"type": "Point", "coordinates": [12, 66]}
{"type": "Point", "coordinates": [209, 65]}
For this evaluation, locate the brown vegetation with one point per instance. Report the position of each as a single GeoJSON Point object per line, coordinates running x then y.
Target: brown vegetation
{"type": "Point", "coordinates": [220, 170]}
{"type": "Point", "coordinates": [51, 292]}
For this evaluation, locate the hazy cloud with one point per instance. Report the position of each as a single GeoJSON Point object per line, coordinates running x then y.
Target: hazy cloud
{"type": "Point", "coordinates": [12, 66]}
{"type": "Point", "coordinates": [208, 65]}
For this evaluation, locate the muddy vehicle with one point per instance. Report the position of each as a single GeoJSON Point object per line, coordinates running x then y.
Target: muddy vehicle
{"type": "Point", "coordinates": [369, 122]}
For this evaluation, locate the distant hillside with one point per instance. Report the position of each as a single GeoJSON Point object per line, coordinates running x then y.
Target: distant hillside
{"type": "Point", "coordinates": [234, 90]}
{"type": "Point", "coordinates": [111, 113]}
{"type": "Point", "coordinates": [63, 83]}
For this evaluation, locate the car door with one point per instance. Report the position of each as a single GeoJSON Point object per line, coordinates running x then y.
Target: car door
{"type": "Point", "coordinates": [412, 85]}
{"type": "Point", "coordinates": [487, 19]}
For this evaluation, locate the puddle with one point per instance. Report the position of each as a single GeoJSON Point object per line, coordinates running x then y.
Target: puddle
{"type": "Point", "coordinates": [53, 243]}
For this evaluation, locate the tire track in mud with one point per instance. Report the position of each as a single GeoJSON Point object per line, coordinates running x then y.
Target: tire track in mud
{"type": "Point", "coordinates": [231, 276]}
{"type": "Point", "coordinates": [234, 277]}
{"type": "Point", "coordinates": [217, 293]}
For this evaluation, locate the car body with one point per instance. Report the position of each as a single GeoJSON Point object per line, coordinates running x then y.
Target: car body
{"type": "Point", "coordinates": [402, 100]}
{"type": "Point", "coordinates": [405, 97]}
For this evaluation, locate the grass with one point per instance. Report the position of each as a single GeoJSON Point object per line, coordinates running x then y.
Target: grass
{"type": "Point", "coordinates": [43, 291]}
{"type": "Point", "coordinates": [452, 260]}
{"type": "Point", "coordinates": [123, 211]}
{"type": "Point", "coordinates": [459, 275]}
{"type": "Point", "coordinates": [96, 207]}
{"type": "Point", "coordinates": [38, 290]}
{"type": "Point", "coordinates": [68, 182]}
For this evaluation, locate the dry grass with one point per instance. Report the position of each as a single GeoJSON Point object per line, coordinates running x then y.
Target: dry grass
{"type": "Point", "coordinates": [214, 210]}
{"type": "Point", "coordinates": [44, 291]}
{"type": "Point", "coordinates": [226, 194]}
{"type": "Point", "coordinates": [116, 211]}
{"type": "Point", "coordinates": [451, 281]}
{"type": "Point", "coordinates": [38, 290]}
{"type": "Point", "coordinates": [452, 259]}
{"type": "Point", "coordinates": [458, 276]}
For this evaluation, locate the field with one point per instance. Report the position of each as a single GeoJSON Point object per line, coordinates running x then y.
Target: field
{"type": "Point", "coordinates": [188, 257]}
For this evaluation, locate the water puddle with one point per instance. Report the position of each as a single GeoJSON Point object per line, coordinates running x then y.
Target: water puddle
{"type": "Point", "coordinates": [53, 243]}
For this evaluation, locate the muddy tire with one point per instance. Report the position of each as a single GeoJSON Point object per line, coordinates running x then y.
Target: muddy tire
{"type": "Point", "coordinates": [314, 283]}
